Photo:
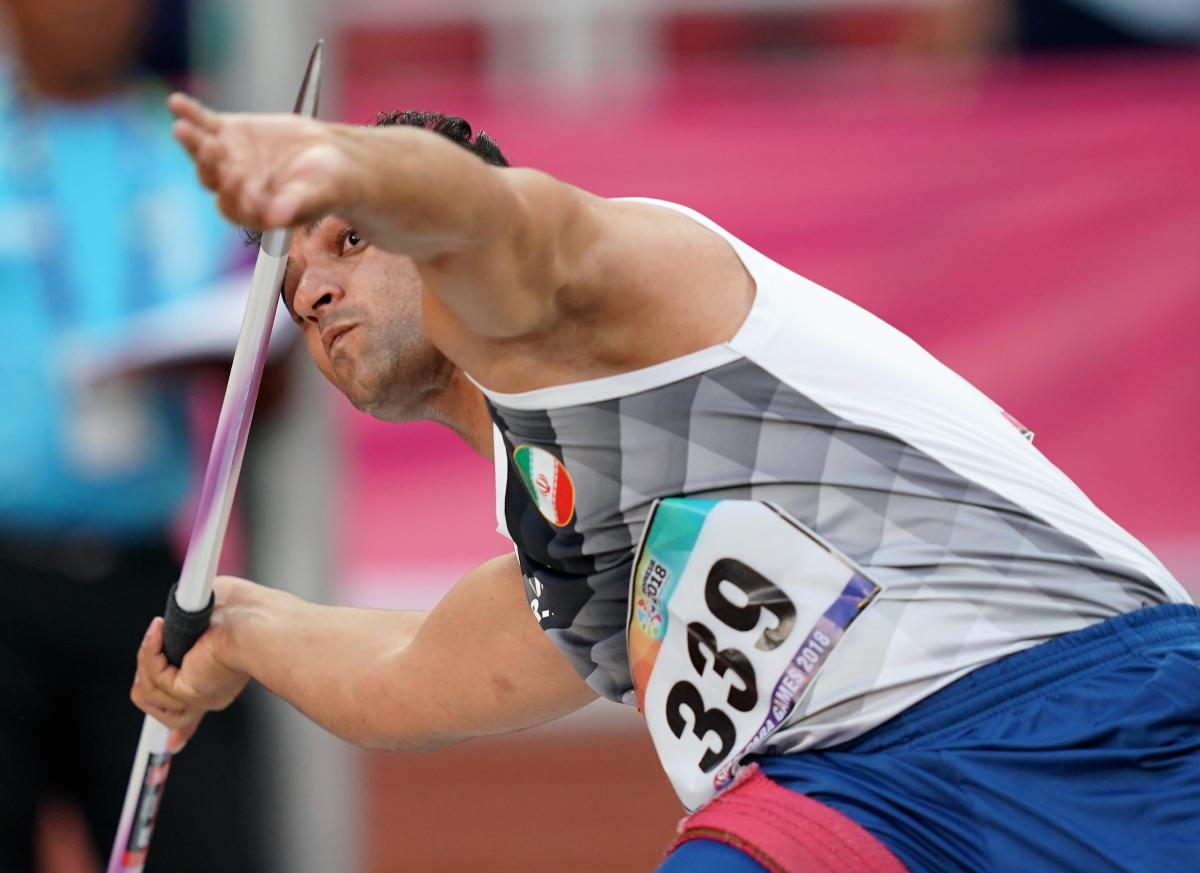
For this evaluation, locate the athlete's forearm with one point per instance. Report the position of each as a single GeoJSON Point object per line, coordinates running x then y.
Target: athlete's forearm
{"type": "Point", "coordinates": [329, 662]}
{"type": "Point", "coordinates": [477, 664]}
{"type": "Point", "coordinates": [495, 245]}
{"type": "Point", "coordinates": [418, 194]}
{"type": "Point", "coordinates": [489, 241]}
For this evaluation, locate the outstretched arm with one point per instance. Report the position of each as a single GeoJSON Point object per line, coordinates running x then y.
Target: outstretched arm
{"type": "Point", "coordinates": [477, 664]}
{"type": "Point", "coordinates": [495, 244]}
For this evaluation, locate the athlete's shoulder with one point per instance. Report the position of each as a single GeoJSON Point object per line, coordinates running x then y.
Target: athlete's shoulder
{"type": "Point", "coordinates": [750, 256]}
{"type": "Point", "coordinates": [665, 204]}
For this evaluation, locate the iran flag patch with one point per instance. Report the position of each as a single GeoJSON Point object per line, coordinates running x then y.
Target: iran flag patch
{"type": "Point", "coordinates": [547, 482]}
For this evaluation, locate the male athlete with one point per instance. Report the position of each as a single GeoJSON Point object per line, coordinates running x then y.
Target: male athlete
{"type": "Point", "coordinates": [868, 624]}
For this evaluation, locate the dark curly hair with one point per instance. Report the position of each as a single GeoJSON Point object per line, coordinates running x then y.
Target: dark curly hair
{"type": "Point", "coordinates": [452, 127]}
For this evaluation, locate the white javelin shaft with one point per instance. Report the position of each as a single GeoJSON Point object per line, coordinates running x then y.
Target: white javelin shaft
{"type": "Point", "coordinates": [233, 426]}
{"type": "Point", "coordinates": [152, 759]}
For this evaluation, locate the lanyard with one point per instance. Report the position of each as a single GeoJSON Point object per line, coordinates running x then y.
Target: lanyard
{"type": "Point", "coordinates": [30, 163]}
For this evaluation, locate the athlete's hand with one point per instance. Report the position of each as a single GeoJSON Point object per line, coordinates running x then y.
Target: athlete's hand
{"type": "Point", "coordinates": [267, 170]}
{"type": "Point", "coordinates": [179, 698]}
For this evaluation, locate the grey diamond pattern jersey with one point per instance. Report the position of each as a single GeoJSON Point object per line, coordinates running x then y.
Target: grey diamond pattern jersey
{"type": "Point", "coordinates": [981, 546]}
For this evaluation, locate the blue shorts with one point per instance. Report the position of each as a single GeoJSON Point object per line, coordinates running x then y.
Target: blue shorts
{"type": "Point", "coordinates": [1080, 754]}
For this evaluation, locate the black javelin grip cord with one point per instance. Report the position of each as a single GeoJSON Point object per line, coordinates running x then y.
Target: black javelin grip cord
{"type": "Point", "coordinates": [181, 628]}
{"type": "Point", "coordinates": [190, 602]}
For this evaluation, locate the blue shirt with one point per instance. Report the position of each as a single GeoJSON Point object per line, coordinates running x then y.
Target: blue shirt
{"type": "Point", "coordinates": [101, 218]}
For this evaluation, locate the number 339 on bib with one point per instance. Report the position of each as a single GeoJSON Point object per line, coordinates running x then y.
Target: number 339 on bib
{"type": "Point", "coordinates": [734, 607]}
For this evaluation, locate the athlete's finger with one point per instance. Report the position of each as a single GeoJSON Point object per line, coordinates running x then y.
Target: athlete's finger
{"type": "Point", "coordinates": [153, 671]}
{"type": "Point", "coordinates": [189, 136]}
{"type": "Point", "coordinates": [172, 718]}
{"type": "Point", "coordinates": [148, 694]}
{"type": "Point", "coordinates": [189, 108]}
{"type": "Point", "coordinates": [229, 201]}
{"type": "Point", "coordinates": [211, 152]}
{"type": "Point", "coordinates": [249, 193]}
{"type": "Point", "coordinates": [292, 203]}
{"type": "Point", "coordinates": [179, 737]}
{"type": "Point", "coordinates": [256, 194]}
{"type": "Point", "coordinates": [209, 163]}
{"type": "Point", "coordinates": [150, 648]}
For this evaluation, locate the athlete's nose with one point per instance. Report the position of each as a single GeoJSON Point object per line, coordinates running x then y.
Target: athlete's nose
{"type": "Point", "coordinates": [314, 294]}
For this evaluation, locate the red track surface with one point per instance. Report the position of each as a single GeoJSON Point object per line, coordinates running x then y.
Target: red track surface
{"type": "Point", "coordinates": [582, 802]}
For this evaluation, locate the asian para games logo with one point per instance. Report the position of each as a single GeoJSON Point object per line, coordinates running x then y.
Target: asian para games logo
{"type": "Point", "coordinates": [647, 607]}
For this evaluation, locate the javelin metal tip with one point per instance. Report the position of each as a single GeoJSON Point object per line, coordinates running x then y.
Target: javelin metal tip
{"type": "Point", "coordinates": [309, 98]}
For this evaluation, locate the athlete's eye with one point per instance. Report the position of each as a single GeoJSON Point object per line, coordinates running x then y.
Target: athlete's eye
{"type": "Point", "coordinates": [349, 239]}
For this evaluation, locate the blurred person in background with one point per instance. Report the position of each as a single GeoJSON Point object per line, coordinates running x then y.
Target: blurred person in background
{"type": "Point", "coordinates": [102, 220]}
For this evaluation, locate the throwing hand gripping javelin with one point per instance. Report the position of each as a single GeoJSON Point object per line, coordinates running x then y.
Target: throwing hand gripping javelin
{"type": "Point", "coordinates": [190, 601]}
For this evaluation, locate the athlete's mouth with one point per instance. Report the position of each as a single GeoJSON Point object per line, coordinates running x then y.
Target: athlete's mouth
{"type": "Point", "coordinates": [331, 335]}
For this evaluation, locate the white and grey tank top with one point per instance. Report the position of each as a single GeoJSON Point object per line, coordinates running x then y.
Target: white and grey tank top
{"type": "Point", "coordinates": [981, 546]}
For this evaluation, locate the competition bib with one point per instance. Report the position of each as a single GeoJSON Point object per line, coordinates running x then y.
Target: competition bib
{"type": "Point", "coordinates": [734, 607]}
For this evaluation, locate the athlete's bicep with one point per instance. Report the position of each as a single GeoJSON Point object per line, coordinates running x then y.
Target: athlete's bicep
{"type": "Point", "coordinates": [484, 663]}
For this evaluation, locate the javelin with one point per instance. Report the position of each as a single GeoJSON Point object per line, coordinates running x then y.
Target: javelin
{"type": "Point", "coordinates": [190, 602]}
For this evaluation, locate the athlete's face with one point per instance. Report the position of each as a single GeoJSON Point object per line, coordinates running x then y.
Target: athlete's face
{"type": "Point", "coordinates": [359, 308]}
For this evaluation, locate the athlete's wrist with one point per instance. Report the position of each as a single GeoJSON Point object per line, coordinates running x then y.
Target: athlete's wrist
{"type": "Point", "coordinates": [355, 190]}
{"type": "Point", "coordinates": [244, 613]}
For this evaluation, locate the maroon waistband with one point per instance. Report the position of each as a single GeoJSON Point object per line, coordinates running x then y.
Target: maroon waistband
{"type": "Point", "coordinates": [785, 831]}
